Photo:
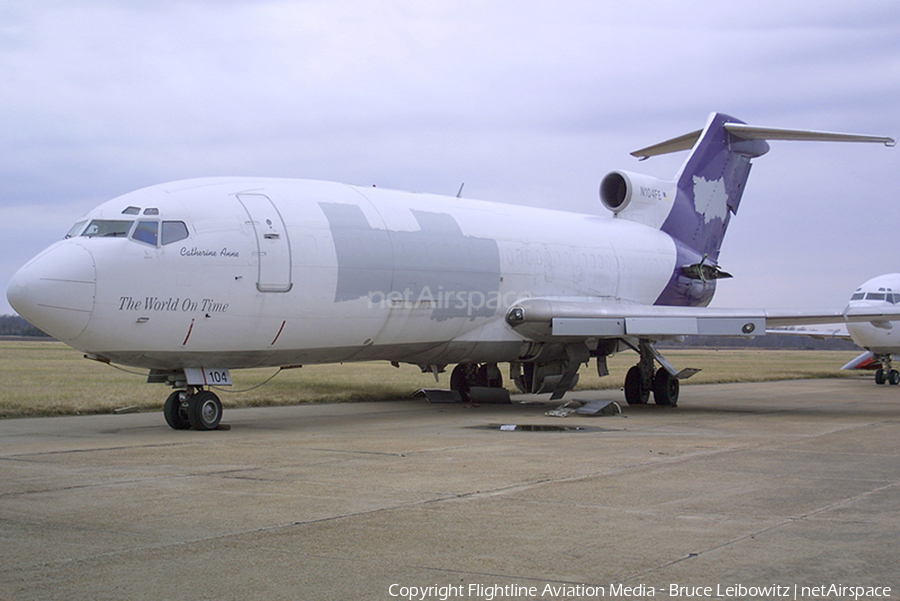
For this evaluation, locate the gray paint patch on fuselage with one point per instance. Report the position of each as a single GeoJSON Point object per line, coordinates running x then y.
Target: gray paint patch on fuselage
{"type": "Point", "coordinates": [437, 223]}
{"type": "Point", "coordinates": [364, 257]}
{"type": "Point", "coordinates": [437, 266]}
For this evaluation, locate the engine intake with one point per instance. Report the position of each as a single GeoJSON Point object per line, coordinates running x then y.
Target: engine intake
{"type": "Point", "coordinates": [615, 193]}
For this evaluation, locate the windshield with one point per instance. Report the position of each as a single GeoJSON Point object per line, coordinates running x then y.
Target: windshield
{"type": "Point", "coordinates": [104, 228]}
{"type": "Point", "coordinates": [173, 231]}
{"type": "Point", "coordinates": [76, 229]}
{"type": "Point", "coordinates": [146, 232]}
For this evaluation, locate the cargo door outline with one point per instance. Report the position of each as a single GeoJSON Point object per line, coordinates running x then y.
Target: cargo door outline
{"type": "Point", "coordinates": [272, 244]}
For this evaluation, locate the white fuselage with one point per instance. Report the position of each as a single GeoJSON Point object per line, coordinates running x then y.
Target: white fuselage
{"type": "Point", "coordinates": [881, 337]}
{"type": "Point", "coordinates": [279, 272]}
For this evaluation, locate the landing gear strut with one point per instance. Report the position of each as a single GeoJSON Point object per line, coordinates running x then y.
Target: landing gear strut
{"type": "Point", "coordinates": [192, 408]}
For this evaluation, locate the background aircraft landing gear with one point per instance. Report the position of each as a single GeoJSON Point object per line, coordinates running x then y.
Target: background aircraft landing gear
{"type": "Point", "coordinates": [891, 376]}
{"type": "Point", "coordinates": [200, 410]}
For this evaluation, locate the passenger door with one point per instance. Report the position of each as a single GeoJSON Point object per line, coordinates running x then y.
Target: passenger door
{"type": "Point", "coordinates": [273, 246]}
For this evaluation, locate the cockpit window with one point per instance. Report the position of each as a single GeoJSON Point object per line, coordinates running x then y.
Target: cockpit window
{"type": "Point", "coordinates": [146, 231]}
{"type": "Point", "coordinates": [104, 228]}
{"type": "Point", "coordinates": [891, 297]}
{"type": "Point", "coordinates": [131, 211]}
{"type": "Point", "coordinates": [173, 231]}
{"type": "Point", "coordinates": [76, 229]}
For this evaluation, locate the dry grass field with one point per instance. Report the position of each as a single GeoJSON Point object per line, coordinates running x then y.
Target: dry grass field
{"type": "Point", "coordinates": [49, 378]}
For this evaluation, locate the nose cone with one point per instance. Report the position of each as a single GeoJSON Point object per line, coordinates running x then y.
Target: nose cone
{"type": "Point", "coordinates": [55, 290]}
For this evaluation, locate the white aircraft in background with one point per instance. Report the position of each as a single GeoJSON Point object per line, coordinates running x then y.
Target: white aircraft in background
{"type": "Point", "coordinates": [195, 278]}
{"type": "Point", "coordinates": [879, 338]}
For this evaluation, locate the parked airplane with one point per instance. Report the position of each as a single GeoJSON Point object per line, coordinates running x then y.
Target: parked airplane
{"type": "Point", "coordinates": [194, 278]}
{"type": "Point", "coordinates": [879, 338]}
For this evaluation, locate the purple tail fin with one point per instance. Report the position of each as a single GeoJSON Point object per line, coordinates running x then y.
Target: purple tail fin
{"type": "Point", "coordinates": [710, 185]}
{"type": "Point", "coordinates": [708, 191]}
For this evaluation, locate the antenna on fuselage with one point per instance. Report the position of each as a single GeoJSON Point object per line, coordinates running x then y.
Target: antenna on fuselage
{"type": "Point", "coordinates": [459, 193]}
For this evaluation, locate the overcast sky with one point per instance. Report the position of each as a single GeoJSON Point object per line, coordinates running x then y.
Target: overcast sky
{"type": "Point", "coordinates": [525, 101]}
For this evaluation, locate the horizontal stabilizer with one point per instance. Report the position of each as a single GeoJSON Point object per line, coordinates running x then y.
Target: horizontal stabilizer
{"type": "Point", "coordinates": [685, 142]}
{"type": "Point", "coordinates": [754, 132]}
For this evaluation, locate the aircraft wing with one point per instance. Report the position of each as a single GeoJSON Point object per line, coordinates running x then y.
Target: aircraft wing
{"type": "Point", "coordinates": [546, 319]}
{"type": "Point", "coordinates": [817, 332]}
{"type": "Point", "coordinates": [863, 361]}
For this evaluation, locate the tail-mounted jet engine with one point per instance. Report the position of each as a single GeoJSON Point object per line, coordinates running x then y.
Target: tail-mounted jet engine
{"type": "Point", "coordinates": [637, 197]}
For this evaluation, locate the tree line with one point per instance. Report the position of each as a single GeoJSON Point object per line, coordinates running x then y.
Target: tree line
{"type": "Point", "coordinates": [769, 341]}
{"type": "Point", "coordinates": [13, 325]}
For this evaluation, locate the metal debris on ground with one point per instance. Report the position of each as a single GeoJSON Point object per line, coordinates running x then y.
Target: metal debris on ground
{"type": "Point", "coordinates": [586, 408]}
{"type": "Point", "coordinates": [439, 395]}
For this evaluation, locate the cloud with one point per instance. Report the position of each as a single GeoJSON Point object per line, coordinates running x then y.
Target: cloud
{"type": "Point", "coordinates": [526, 101]}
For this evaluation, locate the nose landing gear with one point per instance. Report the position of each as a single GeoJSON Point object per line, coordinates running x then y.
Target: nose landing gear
{"type": "Point", "coordinates": [193, 408]}
{"type": "Point", "coordinates": [887, 376]}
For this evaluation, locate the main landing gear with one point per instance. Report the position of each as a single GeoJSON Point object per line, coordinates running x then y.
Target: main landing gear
{"type": "Point", "coordinates": [644, 378]}
{"type": "Point", "coordinates": [665, 387]}
{"type": "Point", "coordinates": [193, 408]}
{"type": "Point", "coordinates": [466, 375]}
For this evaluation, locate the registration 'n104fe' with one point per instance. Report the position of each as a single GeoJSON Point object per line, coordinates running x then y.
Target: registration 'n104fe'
{"type": "Point", "coordinates": [195, 278]}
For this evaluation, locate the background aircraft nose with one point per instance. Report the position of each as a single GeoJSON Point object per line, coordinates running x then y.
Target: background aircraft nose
{"type": "Point", "coordinates": [55, 290]}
